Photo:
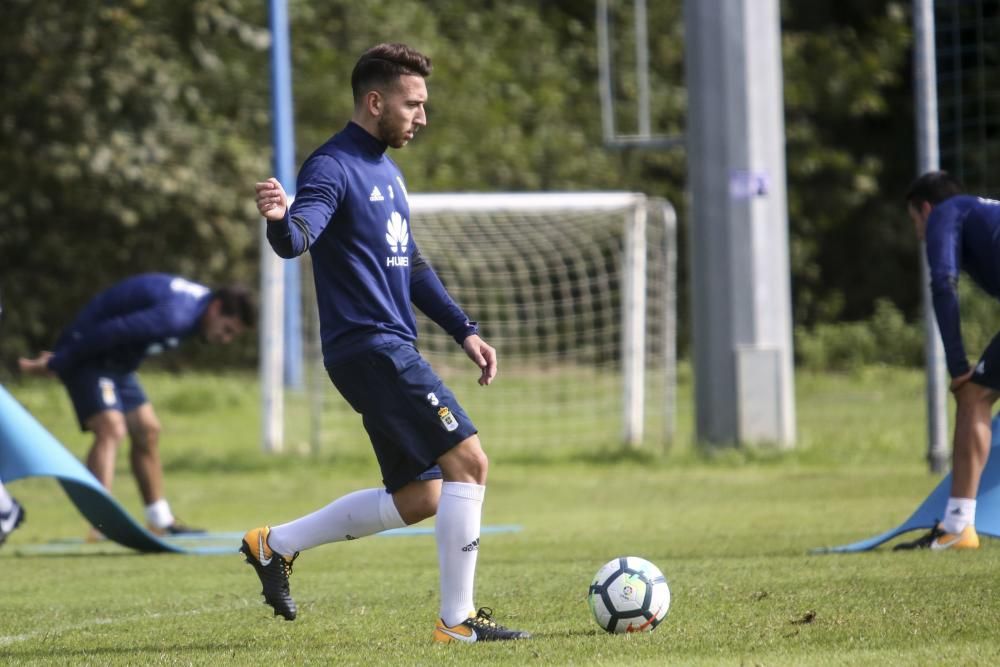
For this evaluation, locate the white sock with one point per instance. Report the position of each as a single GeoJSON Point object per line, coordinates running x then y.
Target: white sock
{"type": "Point", "coordinates": [459, 516]}
{"type": "Point", "coordinates": [959, 513]}
{"type": "Point", "coordinates": [349, 517]}
{"type": "Point", "coordinates": [158, 514]}
{"type": "Point", "coordinates": [6, 502]}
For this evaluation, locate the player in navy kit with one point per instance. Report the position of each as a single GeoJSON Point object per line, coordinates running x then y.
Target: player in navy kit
{"type": "Point", "coordinates": [351, 213]}
{"type": "Point", "coordinates": [97, 357]}
{"type": "Point", "coordinates": [962, 233]}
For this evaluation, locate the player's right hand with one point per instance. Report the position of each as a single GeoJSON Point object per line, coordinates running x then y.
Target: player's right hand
{"type": "Point", "coordinates": [272, 202]}
{"type": "Point", "coordinates": [36, 366]}
{"type": "Point", "coordinates": [961, 381]}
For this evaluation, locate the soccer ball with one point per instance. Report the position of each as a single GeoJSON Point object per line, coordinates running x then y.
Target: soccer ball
{"type": "Point", "coordinates": [629, 594]}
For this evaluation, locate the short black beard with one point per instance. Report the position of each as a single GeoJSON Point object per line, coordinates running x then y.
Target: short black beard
{"type": "Point", "coordinates": [384, 137]}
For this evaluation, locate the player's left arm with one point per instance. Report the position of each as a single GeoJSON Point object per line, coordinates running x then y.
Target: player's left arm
{"type": "Point", "coordinates": [944, 262]}
{"type": "Point", "coordinates": [432, 299]}
{"type": "Point", "coordinates": [36, 366]}
{"type": "Point", "coordinates": [429, 295]}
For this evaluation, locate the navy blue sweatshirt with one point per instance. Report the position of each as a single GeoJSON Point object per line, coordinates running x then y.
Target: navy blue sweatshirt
{"type": "Point", "coordinates": [963, 233]}
{"type": "Point", "coordinates": [131, 319]}
{"type": "Point", "coordinates": [351, 213]}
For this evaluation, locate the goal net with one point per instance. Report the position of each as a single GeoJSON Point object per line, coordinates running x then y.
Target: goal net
{"type": "Point", "coordinates": [968, 63]}
{"type": "Point", "coordinates": [577, 293]}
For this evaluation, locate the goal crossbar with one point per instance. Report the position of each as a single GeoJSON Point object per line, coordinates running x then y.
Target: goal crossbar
{"type": "Point", "coordinates": [541, 202]}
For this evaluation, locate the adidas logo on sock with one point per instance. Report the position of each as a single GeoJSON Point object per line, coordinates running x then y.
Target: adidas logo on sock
{"type": "Point", "coordinates": [472, 546]}
{"type": "Point", "coordinates": [376, 195]}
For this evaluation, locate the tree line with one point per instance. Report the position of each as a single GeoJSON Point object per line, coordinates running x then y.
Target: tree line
{"type": "Point", "coordinates": [131, 134]}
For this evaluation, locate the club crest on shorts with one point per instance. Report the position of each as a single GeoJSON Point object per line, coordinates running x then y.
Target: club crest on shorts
{"type": "Point", "coordinates": [448, 419]}
{"type": "Point", "coordinates": [107, 391]}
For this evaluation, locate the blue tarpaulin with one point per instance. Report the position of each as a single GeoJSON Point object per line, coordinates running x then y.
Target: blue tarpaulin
{"type": "Point", "coordinates": [932, 509]}
{"type": "Point", "coordinates": [27, 449]}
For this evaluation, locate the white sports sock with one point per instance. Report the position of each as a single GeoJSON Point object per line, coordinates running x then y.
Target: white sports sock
{"type": "Point", "coordinates": [959, 513]}
{"type": "Point", "coordinates": [349, 517]}
{"type": "Point", "coordinates": [158, 514]}
{"type": "Point", "coordinates": [459, 516]}
{"type": "Point", "coordinates": [6, 502]}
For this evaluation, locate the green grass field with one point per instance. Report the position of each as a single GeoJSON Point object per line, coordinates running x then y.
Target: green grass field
{"type": "Point", "coordinates": [730, 529]}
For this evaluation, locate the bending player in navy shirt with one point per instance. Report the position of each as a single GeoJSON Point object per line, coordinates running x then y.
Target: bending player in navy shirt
{"type": "Point", "coordinates": [97, 357]}
{"type": "Point", "coordinates": [962, 233]}
{"type": "Point", "coordinates": [351, 213]}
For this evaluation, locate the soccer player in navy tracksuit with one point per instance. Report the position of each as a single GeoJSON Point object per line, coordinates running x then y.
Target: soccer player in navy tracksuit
{"type": "Point", "coordinates": [97, 357]}
{"type": "Point", "coordinates": [351, 213]}
{"type": "Point", "coordinates": [962, 233]}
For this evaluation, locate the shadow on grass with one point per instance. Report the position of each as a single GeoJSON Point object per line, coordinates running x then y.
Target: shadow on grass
{"type": "Point", "coordinates": [242, 462]}
{"type": "Point", "coordinates": [716, 456]}
{"type": "Point", "coordinates": [25, 552]}
{"type": "Point", "coordinates": [569, 634]}
{"type": "Point", "coordinates": [143, 654]}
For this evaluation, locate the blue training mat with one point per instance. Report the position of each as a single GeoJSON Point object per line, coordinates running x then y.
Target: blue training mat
{"type": "Point", "coordinates": [932, 509]}
{"type": "Point", "coordinates": [208, 543]}
{"type": "Point", "coordinates": [28, 450]}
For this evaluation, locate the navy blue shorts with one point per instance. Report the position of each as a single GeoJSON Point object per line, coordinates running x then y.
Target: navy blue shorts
{"type": "Point", "coordinates": [987, 371]}
{"type": "Point", "coordinates": [94, 390]}
{"type": "Point", "coordinates": [411, 417]}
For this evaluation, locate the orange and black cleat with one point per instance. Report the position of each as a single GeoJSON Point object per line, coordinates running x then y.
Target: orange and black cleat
{"type": "Point", "coordinates": [273, 569]}
{"type": "Point", "coordinates": [477, 628]}
{"type": "Point", "coordinates": [938, 540]}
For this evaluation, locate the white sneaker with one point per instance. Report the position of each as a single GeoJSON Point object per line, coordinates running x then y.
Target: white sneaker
{"type": "Point", "coordinates": [11, 520]}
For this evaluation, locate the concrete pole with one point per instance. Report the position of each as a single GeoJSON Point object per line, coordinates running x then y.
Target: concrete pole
{"type": "Point", "coordinates": [741, 294]}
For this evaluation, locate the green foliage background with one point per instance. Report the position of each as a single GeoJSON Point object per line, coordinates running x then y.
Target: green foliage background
{"type": "Point", "coordinates": [132, 132]}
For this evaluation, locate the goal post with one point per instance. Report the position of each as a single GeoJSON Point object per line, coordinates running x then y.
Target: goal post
{"type": "Point", "coordinates": [576, 291]}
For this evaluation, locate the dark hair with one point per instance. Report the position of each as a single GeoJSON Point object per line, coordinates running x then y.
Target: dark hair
{"type": "Point", "coordinates": [237, 301]}
{"type": "Point", "coordinates": [933, 188]}
{"type": "Point", "coordinates": [383, 64]}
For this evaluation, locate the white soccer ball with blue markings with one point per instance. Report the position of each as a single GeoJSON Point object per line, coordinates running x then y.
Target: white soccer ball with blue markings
{"type": "Point", "coordinates": [629, 594]}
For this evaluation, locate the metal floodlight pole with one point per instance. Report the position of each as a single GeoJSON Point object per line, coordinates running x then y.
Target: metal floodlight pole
{"type": "Point", "coordinates": [644, 138]}
{"type": "Point", "coordinates": [604, 72]}
{"type": "Point", "coordinates": [284, 168]}
{"type": "Point", "coordinates": [642, 67]}
{"type": "Point", "coordinates": [925, 83]}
